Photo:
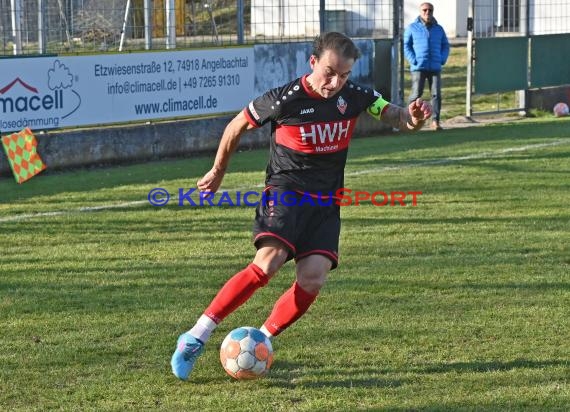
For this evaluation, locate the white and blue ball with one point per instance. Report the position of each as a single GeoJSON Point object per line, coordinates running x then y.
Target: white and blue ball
{"type": "Point", "coordinates": [246, 353]}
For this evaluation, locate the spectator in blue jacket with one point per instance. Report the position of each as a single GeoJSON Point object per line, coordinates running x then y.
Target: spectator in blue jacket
{"type": "Point", "coordinates": [426, 48]}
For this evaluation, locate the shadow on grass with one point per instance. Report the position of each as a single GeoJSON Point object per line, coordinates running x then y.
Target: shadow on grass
{"type": "Point", "coordinates": [287, 375]}
{"type": "Point", "coordinates": [491, 366]}
{"type": "Point", "coordinates": [352, 378]}
{"type": "Point", "coordinates": [538, 286]}
{"type": "Point", "coordinates": [356, 222]}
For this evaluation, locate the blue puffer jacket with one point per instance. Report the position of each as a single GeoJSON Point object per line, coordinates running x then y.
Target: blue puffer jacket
{"type": "Point", "coordinates": [426, 47]}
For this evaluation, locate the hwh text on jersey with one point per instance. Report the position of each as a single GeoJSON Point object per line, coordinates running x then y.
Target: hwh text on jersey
{"type": "Point", "coordinates": [322, 133]}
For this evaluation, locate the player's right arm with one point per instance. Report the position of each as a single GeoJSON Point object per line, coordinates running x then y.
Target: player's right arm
{"type": "Point", "coordinates": [230, 139]}
{"type": "Point", "coordinates": [256, 114]}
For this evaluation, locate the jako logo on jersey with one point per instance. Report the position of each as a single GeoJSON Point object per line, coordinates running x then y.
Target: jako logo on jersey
{"type": "Point", "coordinates": [341, 105]}
{"type": "Point", "coordinates": [308, 111]}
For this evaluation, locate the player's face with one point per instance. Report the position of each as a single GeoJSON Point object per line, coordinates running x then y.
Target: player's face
{"type": "Point", "coordinates": [330, 73]}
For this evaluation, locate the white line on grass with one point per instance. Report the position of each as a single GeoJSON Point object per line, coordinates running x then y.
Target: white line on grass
{"type": "Point", "coordinates": [447, 160]}
{"type": "Point", "coordinates": [443, 161]}
{"type": "Point", "coordinates": [26, 216]}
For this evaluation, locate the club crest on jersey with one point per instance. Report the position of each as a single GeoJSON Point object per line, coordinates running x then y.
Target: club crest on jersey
{"type": "Point", "coordinates": [341, 105]}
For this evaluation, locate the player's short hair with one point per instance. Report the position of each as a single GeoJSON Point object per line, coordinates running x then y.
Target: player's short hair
{"type": "Point", "coordinates": [338, 42]}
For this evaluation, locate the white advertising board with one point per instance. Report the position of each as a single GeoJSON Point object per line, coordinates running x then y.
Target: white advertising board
{"type": "Point", "coordinates": [67, 91]}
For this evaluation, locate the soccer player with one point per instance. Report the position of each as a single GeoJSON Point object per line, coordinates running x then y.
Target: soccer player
{"type": "Point", "coordinates": [312, 119]}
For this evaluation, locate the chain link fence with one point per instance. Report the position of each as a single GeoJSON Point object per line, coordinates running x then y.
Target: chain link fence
{"type": "Point", "coordinates": [515, 46]}
{"type": "Point", "coordinates": [496, 18]}
{"type": "Point", "coordinates": [87, 26]}
{"type": "Point", "coordinates": [60, 26]}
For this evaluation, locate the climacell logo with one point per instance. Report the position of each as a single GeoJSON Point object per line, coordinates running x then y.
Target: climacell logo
{"type": "Point", "coordinates": [23, 104]}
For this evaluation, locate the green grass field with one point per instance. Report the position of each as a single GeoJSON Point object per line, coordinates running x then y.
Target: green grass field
{"type": "Point", "coordinates": [459, 303]}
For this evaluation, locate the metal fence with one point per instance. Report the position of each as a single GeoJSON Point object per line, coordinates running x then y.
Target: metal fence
{"type": "Point", "coordinates": [495, 18]}
{"type": "Point", "coordinates": [86, 26]}
{"type": "Point", "coordinates": [513, 46]}
{"type": "Point", "coordinates": [90, 26]}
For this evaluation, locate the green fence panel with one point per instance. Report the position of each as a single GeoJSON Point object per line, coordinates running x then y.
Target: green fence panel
{"type": "Point", "coordinates": [501, 64]}
{"type": "Point", "coordinates": [382, 68]}
{"type": "Point", "coordinates": [549, 60]}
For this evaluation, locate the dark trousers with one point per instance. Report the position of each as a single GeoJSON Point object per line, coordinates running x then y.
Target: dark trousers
{"type": "Point", "coordinates": [434, 81]}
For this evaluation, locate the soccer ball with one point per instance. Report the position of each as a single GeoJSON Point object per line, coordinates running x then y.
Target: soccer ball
{"type": "Point", "coordinates": [560, 109]}
{"type": "Point", "coordinates": [246, 353]}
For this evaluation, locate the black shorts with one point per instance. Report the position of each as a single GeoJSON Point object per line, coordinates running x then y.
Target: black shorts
{"type": "Point", "coordinates": [305, 225]}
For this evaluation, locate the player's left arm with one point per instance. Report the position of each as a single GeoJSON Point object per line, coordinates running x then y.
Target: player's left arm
{"type": "Point", "coordinates": [412, 117]}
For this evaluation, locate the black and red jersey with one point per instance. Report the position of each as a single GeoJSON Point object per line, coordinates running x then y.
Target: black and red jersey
{"type": "Point", "coordinates": [309, 134]}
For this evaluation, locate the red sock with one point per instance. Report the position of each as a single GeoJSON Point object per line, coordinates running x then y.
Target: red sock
{"type": "Point", "coordinates": [235, 292]}
{"type": "Point", "coordinates": [288, 308]}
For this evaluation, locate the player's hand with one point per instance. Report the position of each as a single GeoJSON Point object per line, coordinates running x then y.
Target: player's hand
{"type": "Point", "coordinates": [419, 111]}
{"type": "Point", "coordinates": [211, 181]}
